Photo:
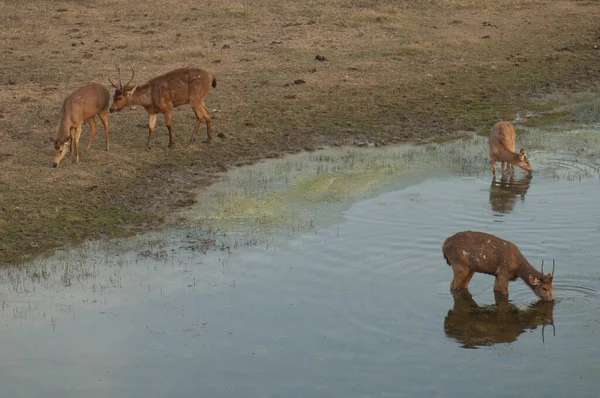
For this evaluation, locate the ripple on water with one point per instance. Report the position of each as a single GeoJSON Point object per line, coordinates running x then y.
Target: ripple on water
{"type": "Point", "coordinates": [360, 301]}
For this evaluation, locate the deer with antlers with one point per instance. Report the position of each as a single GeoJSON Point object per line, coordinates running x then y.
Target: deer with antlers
{"type": "Point", "coordinates": [468, 252]}
{"type": "Point", "coordinates": [82, 105]}
{"type": "Point", "coordinates": [164, 93]}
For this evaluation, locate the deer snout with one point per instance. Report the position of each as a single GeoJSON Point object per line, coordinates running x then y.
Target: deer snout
{"type": "Point", "coordinates": [55, 165]}
{"type": "Point", "coordinates": [111, 109]}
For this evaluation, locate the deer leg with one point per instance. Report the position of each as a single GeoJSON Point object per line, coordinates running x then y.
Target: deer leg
{"type": "Point", "coordinates": [169, 122]}
{"type": "Point", "coordinates": [151, 124]}
{"type": "Point", "coordinates": [94, 128]}
{"type": "Point", "coordinates": [465, 283]}
{"type": "Point", "coordinates": [77, 135]}
{"type": "Point", "coordinates": [209, 130]}
{"type": "Point", "coordinates": [461, 274]}
{"type": "Point", "coordinates": [104, 121]}
{"type": "Point", "coordinates": [197, 127]}
{"type": "Point", "coordinates": [463, 300]}
{"type": "Point", "coordinates": [501, 285]}
{"type": "Point", "coordinates": [494, 167]}
{"type": "Point", "coordinates": [201, 112]}
{"type": "Point", "coordinates": [72, 143]}
{"type": "Point", "coordinates": [198, 111]}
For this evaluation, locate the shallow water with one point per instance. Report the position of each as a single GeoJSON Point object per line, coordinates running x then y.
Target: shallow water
{"type": "Point", "coordinates": [322, 275]}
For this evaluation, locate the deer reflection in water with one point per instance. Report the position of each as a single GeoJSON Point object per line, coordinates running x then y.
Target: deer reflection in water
{"type": "Point", "coordinates": [472, 325]}
{"type": "Point", "coordinates": [505, 191]}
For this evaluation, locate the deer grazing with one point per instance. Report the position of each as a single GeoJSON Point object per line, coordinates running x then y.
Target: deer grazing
{"type": "Point", "coordinates": [468, 252]}
{"type": "Point", "coordinates": [82, 105]}
{"type": "Point", "coordinates": [502, 148]}
{"type": "Point", "coordinates": [166, 92]}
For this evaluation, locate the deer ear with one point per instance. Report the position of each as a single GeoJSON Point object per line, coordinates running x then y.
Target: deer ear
{"type": "Point", "coordinates": [58, 143]}
{"type": "Point", "coordinates": [533, 280]}
{"type": "Point", "coordinates": [522, 151]}
{"type": "Point", "coordinates": [130, 92]}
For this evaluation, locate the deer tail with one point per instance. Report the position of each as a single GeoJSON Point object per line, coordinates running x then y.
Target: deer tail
{"type": "Point", "coordinates": [214, 82]}
{"type": "Point", "coordinates": [446, 258]}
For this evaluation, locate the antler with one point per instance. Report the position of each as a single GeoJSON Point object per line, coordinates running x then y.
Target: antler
{"type": "Point", "coordinates": [120, 84]}
{"type": "Point", "coordinates": [542, 267]}
{"type": "Point", "coordinates": [132, 75]}
{"type": "Point", "coordinates": [552, 267]}
{"type": "Point", "coordinates": [553, 330]}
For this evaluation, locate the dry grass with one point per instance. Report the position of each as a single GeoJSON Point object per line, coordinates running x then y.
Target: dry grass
{"type": "Point", "coordinates": [396, 71]}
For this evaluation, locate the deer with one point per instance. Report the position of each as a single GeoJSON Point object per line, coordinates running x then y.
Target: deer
{"type": "Point", "coordinates": [502, 148]}
{"type": "Point", "coordinates": [473, 325]}
{"type": "Point", "coordinates": [82, 105]}
{"type": "Point", "coordinates": [468, 252]}
{"type": "Point", "coordinates": [164, 93]}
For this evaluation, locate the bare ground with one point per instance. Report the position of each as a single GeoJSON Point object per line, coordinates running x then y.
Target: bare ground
{"type": "Point", "coordinates": [387, 72]}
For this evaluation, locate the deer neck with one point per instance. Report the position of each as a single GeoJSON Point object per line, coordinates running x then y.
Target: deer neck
{"type": "Point", "coordinates": [64, 126]}
{"type": "Point", "coordinates": [526, 269]}
{"type": "Point", "coordinates": [506, 155]}
{"type": "Point", "coordinates": [141, 96]}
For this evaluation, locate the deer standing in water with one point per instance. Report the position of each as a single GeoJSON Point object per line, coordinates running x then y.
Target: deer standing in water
{"type": "Point", "coordinates": [468, 252]}
{"type": "Point", "coordinates": [82, 105]}
{"type": "Point", "coordinates": [502, 148]}
{"type": "Point", "coordinates": [164, 93]}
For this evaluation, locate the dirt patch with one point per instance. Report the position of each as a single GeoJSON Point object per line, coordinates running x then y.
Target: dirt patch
{"type": "Point", "coordinates": [291, 76]}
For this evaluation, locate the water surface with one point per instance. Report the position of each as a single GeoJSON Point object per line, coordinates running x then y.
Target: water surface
{"type": "Point", "coordinates": [322, 276]}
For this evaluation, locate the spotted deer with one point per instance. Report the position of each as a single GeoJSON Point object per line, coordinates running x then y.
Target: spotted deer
{"type": "Point", "coordinates": [502, 148]}
{"type": "Point", "coordinates": [468, 252]}
{"type": "Point", "coordinates": [82, 105]}
{"type": "Point", "coordinates": [164, 93]}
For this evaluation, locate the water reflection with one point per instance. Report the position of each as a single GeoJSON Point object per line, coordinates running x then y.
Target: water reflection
{"type": "Point", "coordinates": [505, 192]}
{"type": "Point", "coordinates": [472, 325]}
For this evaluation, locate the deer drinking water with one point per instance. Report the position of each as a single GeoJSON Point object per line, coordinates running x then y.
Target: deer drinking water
{"type": "Point", "coordinates": [468, 252]}
{"type": "Point", "coordinates": [164, 93]}
{"type": "Point", "coordinates": [502, 148]}
{"type": "Point", "coordinates": [82, 105]}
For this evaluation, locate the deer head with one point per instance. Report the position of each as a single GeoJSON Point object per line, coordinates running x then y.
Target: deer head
{"type": "Point", "coordinates": [122, 95]}
{"type": "Point", "coordinates": [524, 162]}
{"type": "Point", "coordinates": [60, 149]}
{"type": "Point", "coordinates": [543, 288]}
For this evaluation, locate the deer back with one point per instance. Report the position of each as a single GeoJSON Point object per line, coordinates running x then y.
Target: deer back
{"type": "Point", "coordinates": [482, 252]}
{"type": "Point", "coordinates": [86, 102]}
{"type": "Point", "coordinates": [179, 87]}
{"type": "Point", "coordinates": [502, 139]}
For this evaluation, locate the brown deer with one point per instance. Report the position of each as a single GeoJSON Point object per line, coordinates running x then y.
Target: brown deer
{"type": "Point", "coordinates": [468, 252]}
{"type": "Point", "coordinates": [82, 105]}
{"type": "Point", "coordinates": [166, 92]}
{"type": "Point", "coordinates": [473, 325]}
{"type": "Point", "coordinates": [502, 148]}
